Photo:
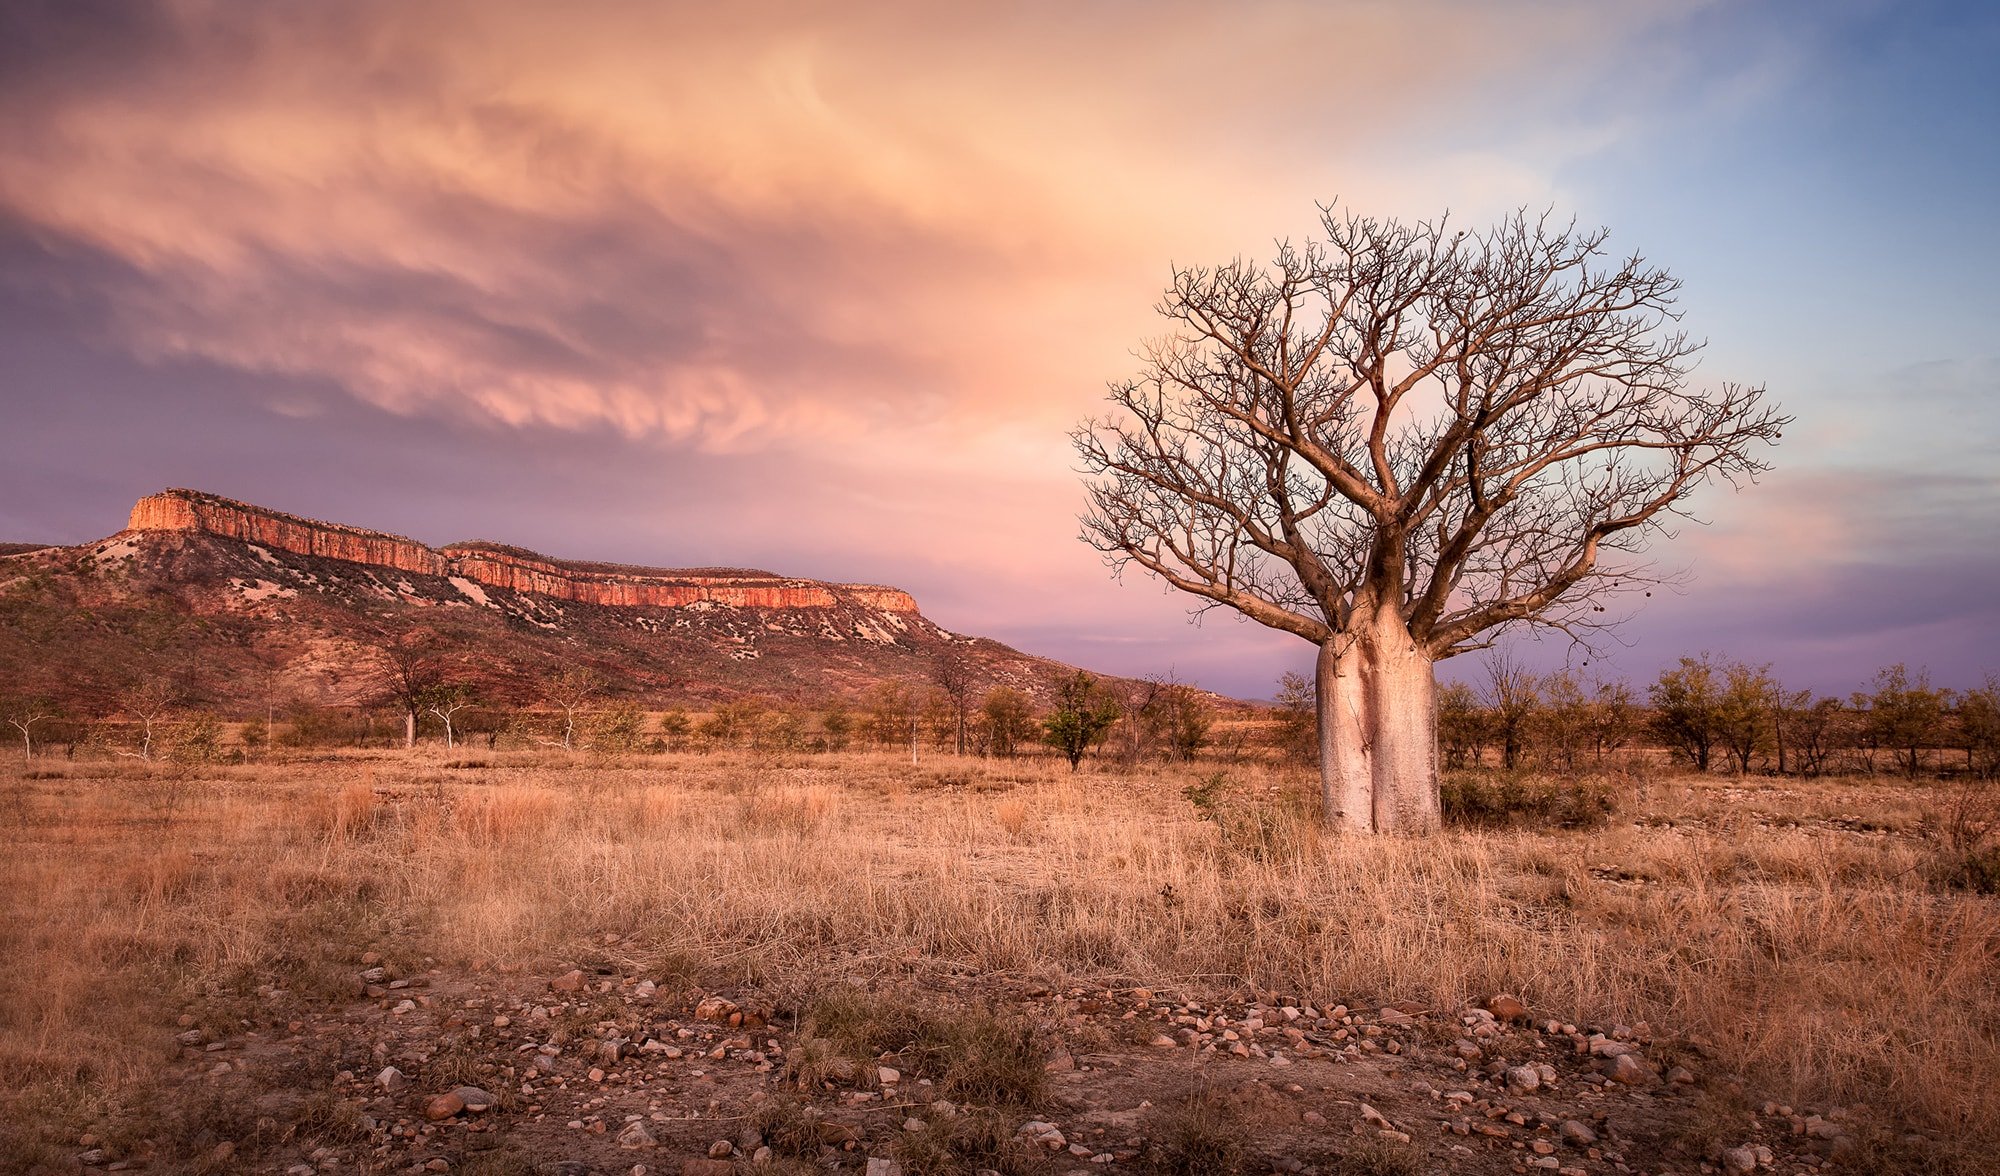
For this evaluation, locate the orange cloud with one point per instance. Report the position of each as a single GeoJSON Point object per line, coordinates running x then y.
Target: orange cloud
{"type": "Point", "coordinates": [729, 226]}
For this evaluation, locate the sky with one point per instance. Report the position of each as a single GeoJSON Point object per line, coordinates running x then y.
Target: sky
{"type": "Point", "coordinates": [822, 287]}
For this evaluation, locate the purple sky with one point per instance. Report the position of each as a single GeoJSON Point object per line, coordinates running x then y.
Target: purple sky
{"type": "Point", "coordinates": [820, 288]}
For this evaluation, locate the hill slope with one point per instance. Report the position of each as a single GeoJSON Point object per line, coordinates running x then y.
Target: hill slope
{"type": "Point", "coordinates": [236, 603]}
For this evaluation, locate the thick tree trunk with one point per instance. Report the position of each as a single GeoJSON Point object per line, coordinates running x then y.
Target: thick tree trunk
{"type": "Point", "coordinates": [409, 728]}
{"type": "Point", "coordinates": [1377, 731]}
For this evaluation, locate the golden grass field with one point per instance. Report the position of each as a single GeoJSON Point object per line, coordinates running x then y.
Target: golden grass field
{"type": "Point", "coordinates": [1787, 930]}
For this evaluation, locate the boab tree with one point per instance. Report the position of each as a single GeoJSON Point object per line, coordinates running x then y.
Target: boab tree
{"type": "Point", "coordinates": [1397, 443]}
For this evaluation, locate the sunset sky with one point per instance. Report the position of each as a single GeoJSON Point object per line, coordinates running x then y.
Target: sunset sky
{"type": "Point", "coordinates": [820, 287]}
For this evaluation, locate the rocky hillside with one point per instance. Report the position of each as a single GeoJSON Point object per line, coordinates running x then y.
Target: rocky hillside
{"type": "Point", "coordinates": [237, 603]}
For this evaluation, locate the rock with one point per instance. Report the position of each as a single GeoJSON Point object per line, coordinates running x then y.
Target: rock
{"type": "Point", "coordinates": [1627, 1069]}
{"type": "Point", "coordinates": [570, 981]}
{"type": "Point", "coordinates": [391, 1079]}
{"type": "Point", "coordinates": [1315, 1118]}
{"type": "Point", "coordinates": [716, 1009]}
{"type": "Point", "coordinates": [720, 1149]}
{"type": "Point", "coordinates": [1681, 1076]}
{"type": "Point", "coordinates": [1047, 1135]}
{"type": "Point", "coordinates": [1739, 1161]}
{"type": "Point", "coordinates": [877, 1166]}
{"type": "Point", "coordinates": [1468, 1049]}
{"type": "Point", "coordinates": [888, 1075]}
{"type": "Point", "coordinates": [1374, 1118]}
{"type": "Point", "coordinates": [443, 1106]}
{"type": "Point", "coordinates": [221, 1153]}
{"type": "Point", "coordinates": [1507, 1008]}
{"type": "Point", "coordinates": [1061, 1063]}
{"type": "Point", "coordinates": [1577, 1134]}
{"type": "Point", "coordinates": [1394, 1016]}
{"type": "Point", "coordinates": [1163, 1041]}
{"type": "Point", "coordinates": [476, 1100]}
{"type": "Point", "coordinates": [1523, 1079]}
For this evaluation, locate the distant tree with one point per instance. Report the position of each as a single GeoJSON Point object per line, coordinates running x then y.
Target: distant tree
{"type": "Point", "coordinates": [1008, 718]}
{"type": "Point", "coordinates": [152, 704]}
{"type": "Point", "coordinates": [571, 692]}
{"type": "Point", "coordinates": [1397, 442]}
{"type": "Point", "coordinates": [23, 712]}
{"type": "Point", "coordinates": [1297, 720]}
{"type": "Point", "coordinates": [1562, 726]}
{"type": "Point", "coordinates": [1513, 697]}
{"type": "Point", "coordinates": [779, 728]}
{"type": "Point", "coordinates": [412, 669]}
{"type": "Point", "coordinates": [732, 722]}
{"type": "Point", "coordinates": [445, 702]}
{"type": "Point", "coordinates": [616, 729]}
{"type": "Point", "coordinates": [1810, 729]}
{"type": "Point", "coordinates": [1687, 701]}
{"type": "Point", "coordinates": [1743, 712]}
{"type": "Point", "coordinates": [1179, 717]}
{"type": "Point", "coordinates": [836, 723]}
{"type": "Point", "coordinates": [1463, 725]}
{"type": "Point", "coordinates": [674, 728]}
{"type": "Point", "coordinates": [1905, 714]}
{"type": "Point", "coordinates": [1978, 715]}
{"type": "Point", "coordinates": [892, 713]}
{"type": "Point", "coordinates": [954, 675]}
{"type": "Point", "coordinates": [1083, 715]}
{"type": "Point", "coordinates": [1610, 717]}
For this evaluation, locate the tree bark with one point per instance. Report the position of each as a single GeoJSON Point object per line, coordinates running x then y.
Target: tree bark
{"type": "Point", "coordinates": [1377, 730]}
{"type": "Point", "coordinates": [409, 728]}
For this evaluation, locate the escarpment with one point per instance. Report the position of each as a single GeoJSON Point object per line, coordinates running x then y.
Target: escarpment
{"type": "Point", "coordinates": [511, 569]}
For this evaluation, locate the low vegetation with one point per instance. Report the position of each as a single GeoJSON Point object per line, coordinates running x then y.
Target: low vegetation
{"type": "Point", "coordinates": [1804, 937]}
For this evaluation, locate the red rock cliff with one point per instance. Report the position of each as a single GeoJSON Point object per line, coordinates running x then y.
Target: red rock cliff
{"type": "Point", "coordinates": [499, 567]}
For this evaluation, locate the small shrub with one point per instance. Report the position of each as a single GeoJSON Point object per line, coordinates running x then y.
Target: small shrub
{"type": "Point", "coordinates": [1378, 1156]}
{"type": "Point", "coordinates": [1510, 801]}
{"type": "Point", "coordinates": [1974, 870]}
{"type": "Point", "coordinates": [973, 1055]}
{"type": "Point", "coordinates": [967, 1142]}
{"type": "Point", "coordinates": [1200, 1135]}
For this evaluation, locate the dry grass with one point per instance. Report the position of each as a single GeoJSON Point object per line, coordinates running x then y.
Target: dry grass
{"type": "Point", "coordinates": [1792, 930]}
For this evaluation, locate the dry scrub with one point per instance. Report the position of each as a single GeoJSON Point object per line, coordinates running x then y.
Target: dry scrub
{"type": "Point", "coordinates": [1795, 935]}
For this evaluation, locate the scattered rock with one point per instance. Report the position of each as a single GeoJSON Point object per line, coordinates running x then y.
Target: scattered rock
{"type": "Point", "coordinates": [1523, 1079]}
{"type": "Point", "coordinates": [1047, 1135]}
{"type": "Point", "coordinates": [1681, 1076]}
{"type": "Point", "coordinates": [1627, 1069]}
{"type": "Point", "coordinates": [1739, 1161]}
{"type": "Point", "coordinates": [443, 1106]}
{"type": "Point", "coordinates": [1576, 1133]}
{"type": "Point", "coordinates": [474, 1099]}
{"type": "Point", "coordinates": [391, 1079]}
{"type": "Point", "coordinates": [877, 1166]}
{"type": "Point", "coordinates": [888, 1075]}
{"type": "Point", "coordinates": [570, 981]}
{"type": "Point", "coordinates": [720, 1149]}
{"type": "Point", "coordinates": [717, 1009]}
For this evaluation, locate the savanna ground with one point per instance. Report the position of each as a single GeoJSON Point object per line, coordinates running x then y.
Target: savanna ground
{"type": "Point", "coordinates": [279, 967]}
